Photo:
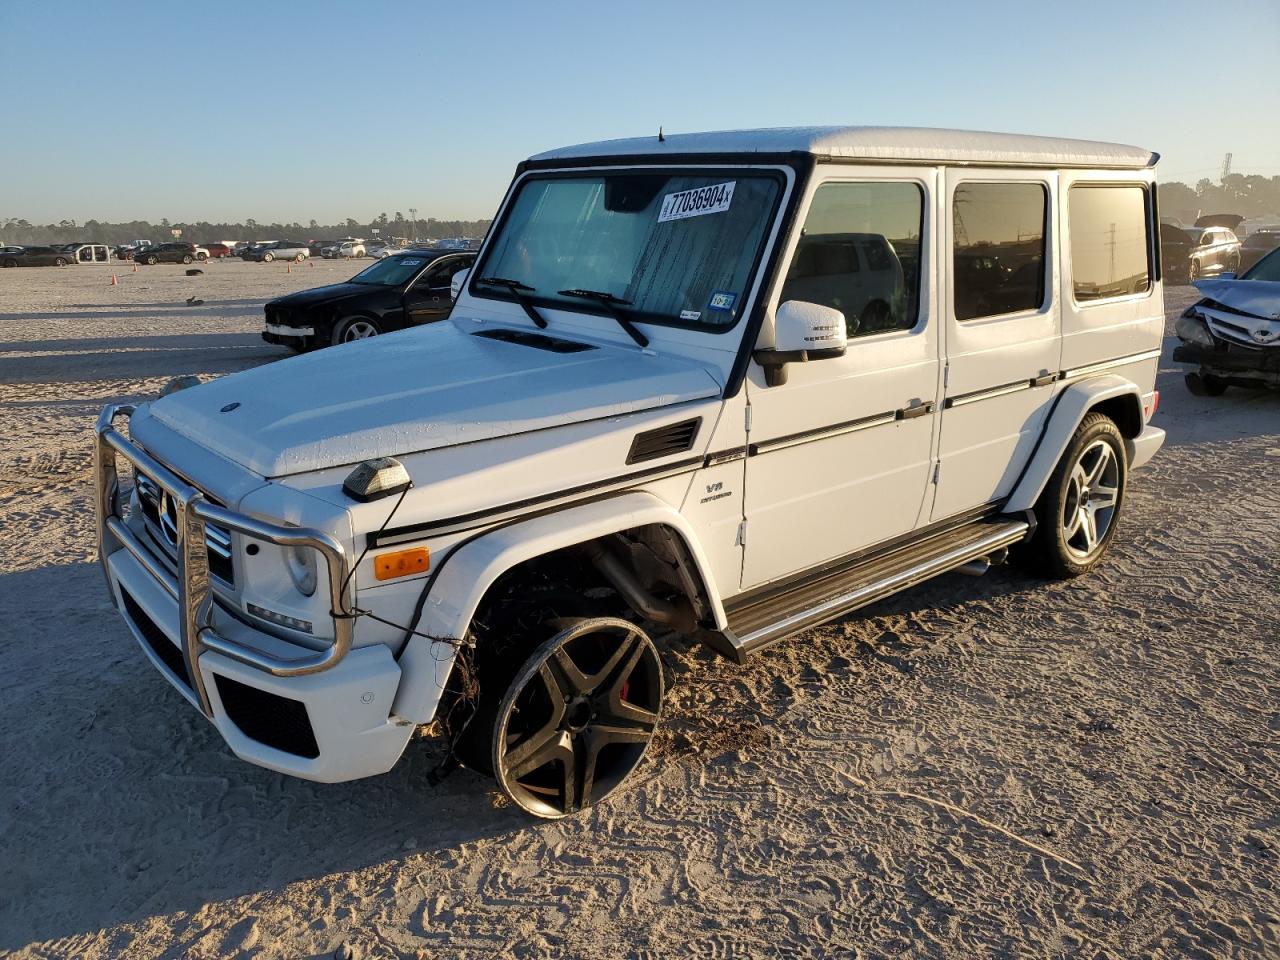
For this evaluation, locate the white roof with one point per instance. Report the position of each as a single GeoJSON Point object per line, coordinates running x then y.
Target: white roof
{"type": "Point", "coordinates": [909, 144]}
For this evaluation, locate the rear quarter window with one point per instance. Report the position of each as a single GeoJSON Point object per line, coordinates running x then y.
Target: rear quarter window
{"type": "Point", "coordinates": [1109, 241]}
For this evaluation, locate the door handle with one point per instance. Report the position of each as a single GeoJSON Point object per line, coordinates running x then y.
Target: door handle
{"type": "Point", "coordinates": [914, 409]}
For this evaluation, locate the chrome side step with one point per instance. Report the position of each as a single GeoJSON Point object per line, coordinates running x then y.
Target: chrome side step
{"type": "Point", "coordinates": [757, 625]}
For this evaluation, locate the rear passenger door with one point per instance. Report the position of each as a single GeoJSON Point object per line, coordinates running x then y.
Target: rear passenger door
{"type": "Point", "coordinates": [1003, 331]}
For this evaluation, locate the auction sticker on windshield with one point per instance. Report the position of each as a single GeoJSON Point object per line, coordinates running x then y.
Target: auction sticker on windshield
{"type": "Point", "coordinates": [697, 202]}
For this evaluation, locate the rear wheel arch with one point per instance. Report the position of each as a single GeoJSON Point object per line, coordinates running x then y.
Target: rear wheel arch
{"type": "Point", "coordinates": [1125, 411]}
{"type": "Point", "coordinates": [1108, 394]}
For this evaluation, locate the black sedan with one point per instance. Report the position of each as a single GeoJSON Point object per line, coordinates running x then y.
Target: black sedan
{"type": "Point", "coordinates": [399, 291]}
{"type": "Point", "coordinates": [176, 252]}
{"type": "Point", "coordinates": [35, 257]}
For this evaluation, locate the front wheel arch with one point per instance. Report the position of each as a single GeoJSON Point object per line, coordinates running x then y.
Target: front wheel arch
{"type": "Point", "coordinates": [463, 578]}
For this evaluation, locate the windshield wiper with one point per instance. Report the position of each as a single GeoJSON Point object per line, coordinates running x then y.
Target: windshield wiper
{"type": "Point", "coordinates": [518, 290]}
{"type": "Point", "coordinates": [612, 304]}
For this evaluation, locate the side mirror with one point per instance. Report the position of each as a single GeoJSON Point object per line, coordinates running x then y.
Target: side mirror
{"type": "Point", "coordinates": [1226, 276]}
{"type": "Point", "coordinates": [802, 331]}
{"type": "Point", "coordinates": [458, 282]}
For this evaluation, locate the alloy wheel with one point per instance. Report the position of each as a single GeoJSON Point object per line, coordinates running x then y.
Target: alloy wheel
{"type": "Point", "coordinates": [577, 718]}
{"type": "Point", "coordinates": [359, 330]}
{"type": "Point", "coordinates": [1093, 490]}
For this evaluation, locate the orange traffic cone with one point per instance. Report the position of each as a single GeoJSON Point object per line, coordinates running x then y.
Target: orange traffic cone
{"type": "Point", "coordinates": [115, 281]}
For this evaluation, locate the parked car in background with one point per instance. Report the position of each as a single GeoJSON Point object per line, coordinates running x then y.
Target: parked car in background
{"type": "Point", "coordinates": [347, 249]}
{"type": "Point", "coordinates": [15, 249]}
{"type": "Point", "coordinates": [1231, 337]}
{"type": "Point", "coordinates": [316, 247]}
{"type": "Point", "coordinates": [91, 253]}
{"type": "Point", "coordinates": [402, 290]}
{"type": "Point", "coordinates": [380, 250]}
{"type": "Point", "coordinates": [175, 251]}
{"type": "Point", "coordinates": [1214, 250]}
{"type": "Point", "coordinates": [278, 250]}
{"type": "Point", "coordinates": [239, 248]}
{"type": "Point", "coordinates": [1257, 245]}
{"type": "Point", "coordinates": [1175, 253]}
{"type": "Point", "coordinates": [217, 250]}
{"type": "Point", "coordinates": [35, 257]}
{"type": "Point", "coordinates": [127, 251]}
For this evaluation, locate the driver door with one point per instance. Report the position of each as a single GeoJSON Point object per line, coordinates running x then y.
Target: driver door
{"type": "Point", "coordinates": [840, 455]}
{"type": "Point", "coordinates": [429, 298]}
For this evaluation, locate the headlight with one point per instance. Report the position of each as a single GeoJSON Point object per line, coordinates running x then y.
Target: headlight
{"type": "Point", "coordinates": [1192, 328]}
{"type": "Point", "coordinates": [302, 568]}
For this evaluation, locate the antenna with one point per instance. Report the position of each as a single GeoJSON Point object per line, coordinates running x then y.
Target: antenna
{"type": "Point", "coordinates": [1226, 167]}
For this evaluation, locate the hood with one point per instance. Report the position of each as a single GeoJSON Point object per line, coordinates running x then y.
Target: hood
{"type": "Point", "coordinates": [1228, 220]}
{"type": "Point", "coordinates": [422, 389]}
{"type": "Point", "coordinates": [309, 298]}
{"type": "Point", "coordinates": [1258, 298]}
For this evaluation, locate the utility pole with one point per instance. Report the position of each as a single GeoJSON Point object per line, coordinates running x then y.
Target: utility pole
{"type": "Point", "coordinates": [413, 212]}
{"type": "Point", "coordinates": [1226, 167]}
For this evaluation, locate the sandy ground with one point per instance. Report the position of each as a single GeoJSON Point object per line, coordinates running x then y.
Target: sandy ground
{"type": "Point", "coordinates": [999, 767]}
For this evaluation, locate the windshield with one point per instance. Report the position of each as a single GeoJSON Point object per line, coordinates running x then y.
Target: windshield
{"type": "Point", "coordinates": [390, 272]}
{"type": "Point", "coordinates": [1268, 268]}
{"type": "Point", "coordinates": [669, 248]}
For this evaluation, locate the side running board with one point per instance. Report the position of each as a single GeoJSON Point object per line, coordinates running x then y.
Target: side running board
{"type": "Point", "coordinates": [761, 623]}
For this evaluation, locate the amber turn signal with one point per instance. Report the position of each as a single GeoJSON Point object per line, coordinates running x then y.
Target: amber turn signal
{"type": "Point", "coordinates": [402, 563]}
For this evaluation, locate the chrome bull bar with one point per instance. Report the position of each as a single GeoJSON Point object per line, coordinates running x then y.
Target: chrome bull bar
{"type": "Point", "coordinates": [191, 589]}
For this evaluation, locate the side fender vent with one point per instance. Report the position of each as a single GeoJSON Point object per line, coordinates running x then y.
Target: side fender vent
{"type": "Point", "coordinates": [664, 441]}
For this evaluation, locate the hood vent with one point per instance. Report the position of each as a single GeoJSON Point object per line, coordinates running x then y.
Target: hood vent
{"type": "Point", "coordinates": [664, 441]}
{"type": "Point", "coordinates": [538, 341]}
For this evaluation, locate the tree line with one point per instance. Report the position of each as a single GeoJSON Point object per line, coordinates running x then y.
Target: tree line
{"type": "Point", "coordinates": [1248, 195]}
{"type": "Point", "coordinates": [15, 230]}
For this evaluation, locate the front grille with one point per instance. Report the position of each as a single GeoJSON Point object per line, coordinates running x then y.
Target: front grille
{"type": "Point", "coordinates": [161, 516]}
{"type": "Point", "coordinates": [156, 639]}
{"type": "Point", "coordinates": [267, 718]}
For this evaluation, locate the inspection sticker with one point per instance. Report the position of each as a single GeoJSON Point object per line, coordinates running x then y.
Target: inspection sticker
{"type": "Point", "coordinates": [697, 202]}
{"type": "Point", "coordinates": [720, 300]}
{"type": "Point", "coordinates": [690, 314]}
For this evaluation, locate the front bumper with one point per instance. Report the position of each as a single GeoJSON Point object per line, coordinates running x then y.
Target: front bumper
{"type": "Point", "coordinates": [1260, 366]}
{"type": "Point", "coordinates": [281, 330]}
{"type": "Point", "coordinates": [322, 715]}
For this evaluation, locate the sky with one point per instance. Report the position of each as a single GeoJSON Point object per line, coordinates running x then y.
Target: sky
{"type": "Point", "coordinates": [327, 110]}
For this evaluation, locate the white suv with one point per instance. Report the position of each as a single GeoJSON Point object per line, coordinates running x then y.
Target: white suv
{"type": "Point", "coordinates": [728, 386]}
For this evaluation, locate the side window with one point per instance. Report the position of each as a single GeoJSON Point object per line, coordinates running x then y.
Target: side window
{"type": "Point", "coordinates": [1109, 243]}
{"type": "Point", "coordinates": [859, 252]}
{"type": "Point", "coordinates": [998, 248]}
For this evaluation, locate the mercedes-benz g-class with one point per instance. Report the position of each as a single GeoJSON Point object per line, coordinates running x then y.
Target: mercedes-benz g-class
{"type": "Point", "coordinates": [724, 386]}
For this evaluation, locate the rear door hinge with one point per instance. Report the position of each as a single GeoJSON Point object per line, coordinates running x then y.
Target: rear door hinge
{"type": "Point", "coordinates": [937, 471]}
{"type": "Point", "coordinates": [946, 375]}
{"type": "Point", "coordinates": [746, 422]}
{"type": "Point", "coordinates": [742, 534]}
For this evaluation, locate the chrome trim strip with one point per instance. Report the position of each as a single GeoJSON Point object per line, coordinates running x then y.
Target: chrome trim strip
{"type": "Point", "coordinates": [192, 587]}
{"type": "Point", "coordinates": [1007, 533]}
{"type": "Point", "coordinates": [1109, 364]}
{"type": "Point", "coordinates": [988, 393]}
{"type": "Point", "coordinates": [822, 433]}
{"type": "Point", "coordinates": [279, 329]}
